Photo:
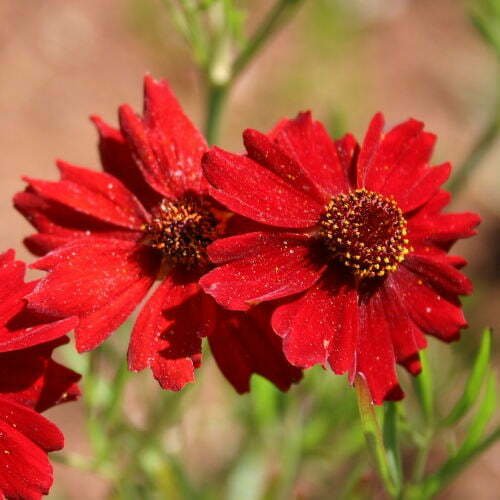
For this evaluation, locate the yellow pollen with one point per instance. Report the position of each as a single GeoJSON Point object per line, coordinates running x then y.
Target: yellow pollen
{"type": "Point", "coordinates": [181, 230]}
{"type": "Point", "coordinates": [366, 232]}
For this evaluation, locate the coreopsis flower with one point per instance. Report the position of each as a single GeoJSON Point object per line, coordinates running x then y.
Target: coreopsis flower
{"type": "Point", "coordinates": [142, 226]}
{"type": "Point", "coordinates": [30, 382]}
{"type": "Point", "coordinates": [350, 245]}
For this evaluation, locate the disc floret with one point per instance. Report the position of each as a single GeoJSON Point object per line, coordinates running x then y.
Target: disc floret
{"type": "Point", "coordinates": [182, 230]}
{"type": "Point", "coordinates": [366, 232]}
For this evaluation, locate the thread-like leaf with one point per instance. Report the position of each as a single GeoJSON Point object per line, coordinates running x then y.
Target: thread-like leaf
{"type": "Point", "coordinates": [471, 446]}
{"type": "Point", "coordinates": [474, 383]}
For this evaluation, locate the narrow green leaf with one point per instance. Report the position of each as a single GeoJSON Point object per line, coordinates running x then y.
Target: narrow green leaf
{"type": "Point", "coordinates": [373, 434]}
{"type": "Point", "coordinates": [474, 383]}
{"type": "Point", "coordinates": [391, 442]}
{"type": "Point", "coordinates": [481, 419]}
{"type": "Point", "coordinates": [471, 446]}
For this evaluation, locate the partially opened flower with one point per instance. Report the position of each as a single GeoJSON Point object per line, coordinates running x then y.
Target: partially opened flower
{"type": "Point", "coordinates": [143, 225]}
{"type": "Point", "coordinates": [352, 243]}
{"type": "Point", "coordinates": [30, 382]}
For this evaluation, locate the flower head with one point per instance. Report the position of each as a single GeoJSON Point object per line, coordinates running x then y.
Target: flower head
{"type": "Point", "coordinates": [138, 232]}
{"type": "Point", "coordinates": [350, 245]}
{"type": "Point", "coordinates": [30, 382]}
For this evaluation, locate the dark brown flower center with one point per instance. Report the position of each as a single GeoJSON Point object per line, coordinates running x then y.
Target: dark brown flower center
{"type": "Point", "coordinates": [182, 230]}
{"type": "Point", "coordinates": [366, 232]}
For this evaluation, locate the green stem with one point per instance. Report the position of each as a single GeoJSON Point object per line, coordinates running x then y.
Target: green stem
{"type": "Point", "coordinates": [218, 88]}
{"type": "Point", "coordinates": [423, 386]}
{"type": "Point", "coordinates": [421, 458]}
{"type": "Point", "coordinates": [373, 435]}
{"type": "Point", "coordinates": [216, 100]}
{"type": "Point", "coordinates": [424, 390]}
{"type": "Point", "coordinates": [391, 442]}
{"type": "Point", "coordinates": [436, 482]}
{"type": "Point", "coordinates": [275, 18]}
{"type": "Point", "coordinates": [480, 149]}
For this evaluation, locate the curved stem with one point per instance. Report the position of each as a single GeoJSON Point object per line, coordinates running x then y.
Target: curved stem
{"type": "Point", "coordinates": [217, 91]}
{"type": "Point", "coordinates": [275, 18]}
{"type": "Point", "coordinates": [373, 435]}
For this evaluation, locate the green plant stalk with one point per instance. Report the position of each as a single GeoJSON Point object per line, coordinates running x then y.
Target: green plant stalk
{"type": "Point", "coordinates": [217, 91]}
{"type": "Point", "coordinates": [277, 16]}
{"type": "Point", "coordinates": [373, 435]}
{"type": "Point", "coordinates": [391, 443]}
{"type": "Point", "coordinates": [436, 482]}
{"type": "Point", "coordinates": [423, 386]}
{"type": "Point", "coordinates": [216, 100]}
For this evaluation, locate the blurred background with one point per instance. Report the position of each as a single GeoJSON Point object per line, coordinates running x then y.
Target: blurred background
{"type": "Point", "coordinates": [343, 59]}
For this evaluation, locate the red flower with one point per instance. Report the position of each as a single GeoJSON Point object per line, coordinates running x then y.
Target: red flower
{"type": "Point", "coordinates": [109, 236]}
{"type": "Point", "coordinates": [30, 382]}
{"type": "Point", "coordinates": [352, 240]}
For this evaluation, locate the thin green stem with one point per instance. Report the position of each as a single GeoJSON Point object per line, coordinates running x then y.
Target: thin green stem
{"type": "Point", "coordinates": [195, 31]}
{"type": "Point", "coordinates": [420, 462]}
{"type": "Point", "coordinates": [216, 99]}
{"type": "Point", "coordinates": [436, 482]}
{"type": "Point", "coordinates": [373, 435]}
{"type": "Point", "coordinates": [423, 386]}
{"type": "Point", "coordinates": [391, 442]}
{"type": "Point", "coordinates": [275, 18]}
{"type": "Point", "coordinates": [424, 389]}
{"type": "Point", "coordinates": [218, 87]}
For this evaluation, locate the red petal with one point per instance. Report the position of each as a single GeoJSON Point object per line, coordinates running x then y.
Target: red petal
{"type": "Point", "coordinates": [321, 326]}
{"type": "Point", "coordinates": [94, 194]}
{"type": "Point", "coordinates": [439, 272]}
{"type": "Point", "coordinates": [12, 287]}
{"type": "Point", "coordinates": [396, 164]}
{"type": "Point", "coordinates": [307, 143]}
{"type": "Point", "coordinates": [244, 344]}
{"type": "Point", "coordinates": [395, 147]}
{"type": "Point", "coordinates": [13, 340]}
{"type": "Point", "coordinates": [434, 313]}
{"type": "Point", "coordinates": [117, 160]}
{"type": "Point", "coordinates": [180, 347]}
{"type": "Point", "coordinates": [145, 340]}
{"type": "Point", "coordinates": [411, 197]}
{"type": "Point", "coordinates": [166, 145]}
{"type": "Point", "coordinates": [369, 148]}
{"type": "Point", "coordinates": [402, 167]}
{"type": "Point", "coordinates": [30, 377]}
{"type": "Point", "coordinates": [59, 224]}
{"type": "Point", "coordinates": [407, 338]}
{"type": "Point", "coordinates": [25, 437]}
{"type": "Point", "coordinates": [347, 152]}
{"type": "Point", "coordinates": [101, 281]}
{"type": "Point", "coordinates": [278, 160]}
{"type": "Point", "coordinates": [252, 190]}
{"type": "Point", "coordinates": [429, 226]}
{"type": "Point", "coordinates": [259, 267]}
{"type": "Point", "coordinates": [375, 357]}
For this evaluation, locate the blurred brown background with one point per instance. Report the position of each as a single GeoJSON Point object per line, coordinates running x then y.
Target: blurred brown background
{"type": "Point", "coordinates": [62, 60]}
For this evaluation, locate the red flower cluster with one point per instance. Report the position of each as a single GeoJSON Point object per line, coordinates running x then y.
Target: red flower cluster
{"type": "Point", "coordinates": [340, 249]}
{"type": "Point", "coordinates": [143, 225]}
{"type": "Point", "coordinates": [350, 245]}
{"type": "Point", "coordinates": [30, 382]}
